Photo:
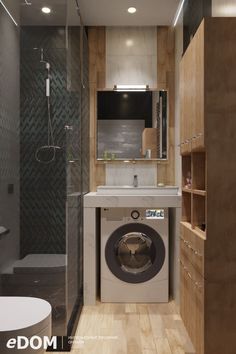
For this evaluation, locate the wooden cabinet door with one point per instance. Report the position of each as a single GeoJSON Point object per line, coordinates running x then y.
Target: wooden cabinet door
{"type": "Point", "coordinates": [192, 93]}
{"type": "Point", "coordinates": [199, 317]}
{"type": "Point", "coordinates": [182, 106]}
{"type": "Point", "coordinates": [197, 46]}
{"type": "Point", "coordinates": [187, 308]}
{"type": "Point", "coordinates": [185, 105]}
{"type": "Point", "coordinates": [192, 302]}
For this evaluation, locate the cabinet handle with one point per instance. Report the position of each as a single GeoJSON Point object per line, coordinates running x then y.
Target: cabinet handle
{"type": "Point", "coordinates": [196, 283]}
{"type": "Point", "coordinates": [190, 247]}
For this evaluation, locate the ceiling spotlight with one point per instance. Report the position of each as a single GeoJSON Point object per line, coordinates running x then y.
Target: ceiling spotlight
{"type": "Point", "coordinates": [46, 10]}
{"type": "Point", "coordinates": [132, 10]}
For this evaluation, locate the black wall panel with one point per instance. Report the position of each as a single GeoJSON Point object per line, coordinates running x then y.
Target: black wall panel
{"type": "Point", "coordinates": [194, 11]}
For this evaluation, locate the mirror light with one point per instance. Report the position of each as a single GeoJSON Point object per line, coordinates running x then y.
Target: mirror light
{"type": "Point", "coordinates": [131, 88]}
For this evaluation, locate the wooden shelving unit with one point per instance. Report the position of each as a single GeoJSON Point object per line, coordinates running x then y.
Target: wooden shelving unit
{"type": "Point", "coordinates": [207, 239]}
{"type": "Point", "coordinates": [194, 196]}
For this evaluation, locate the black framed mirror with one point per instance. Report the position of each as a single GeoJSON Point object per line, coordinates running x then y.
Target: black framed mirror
{"type": "Point", "coordinates": [132, 125]}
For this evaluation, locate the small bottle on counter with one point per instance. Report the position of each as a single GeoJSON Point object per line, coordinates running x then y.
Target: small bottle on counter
{"type": "Point", "coordinates": [148, 154]}
{"type": "Point", "coordinates": [188, 180]}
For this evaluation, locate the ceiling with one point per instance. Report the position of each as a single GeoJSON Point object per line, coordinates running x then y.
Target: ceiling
{"type": "Point", "coordinates": [94, 12]}
{"type": "Point", "coordinates": [114, 12]}
{"type": "Point", "coordinates": [63, 13]}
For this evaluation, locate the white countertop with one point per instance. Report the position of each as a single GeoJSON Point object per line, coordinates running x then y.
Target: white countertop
{"type": "Point", "coordinates": [95, 200]}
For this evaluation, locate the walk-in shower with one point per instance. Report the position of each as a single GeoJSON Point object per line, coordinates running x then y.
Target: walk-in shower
{"type": "Point", "coordinates": [44, 128]}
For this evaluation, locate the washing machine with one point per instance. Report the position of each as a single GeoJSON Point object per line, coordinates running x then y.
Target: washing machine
{"type": "Point", "coordinates": [134, 255]}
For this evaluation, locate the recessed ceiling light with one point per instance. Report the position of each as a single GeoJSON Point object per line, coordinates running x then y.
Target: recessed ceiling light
{"type": "Point", "coordinates": [46, 10]}
{"type": "Point", "coordinates": [132, 10]}
{"type": "Point", "coordinates": [129, 42]}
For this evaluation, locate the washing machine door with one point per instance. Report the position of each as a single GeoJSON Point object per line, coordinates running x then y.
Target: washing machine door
{"type": "Point", "coordinates": [135, 253]}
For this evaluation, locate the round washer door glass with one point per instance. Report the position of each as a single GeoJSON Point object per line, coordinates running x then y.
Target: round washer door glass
{"type": "Point", "coordinates": [135, 253]}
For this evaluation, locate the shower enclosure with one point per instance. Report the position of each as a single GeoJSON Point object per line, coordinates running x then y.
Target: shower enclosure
{"type": "Point", "coordinates": [44, 155]}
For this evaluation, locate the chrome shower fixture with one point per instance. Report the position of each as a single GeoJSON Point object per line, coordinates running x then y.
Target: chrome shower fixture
{"type": "Point", "coordinates": [42, 59]}
{"type": "Point", "coordinates": [47, 66]}
{"type": "Point", "coordinates": [50, 141]}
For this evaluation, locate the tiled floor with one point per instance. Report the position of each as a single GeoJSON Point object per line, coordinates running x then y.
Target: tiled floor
{"type": "Point", "coordinates": [131, 329]}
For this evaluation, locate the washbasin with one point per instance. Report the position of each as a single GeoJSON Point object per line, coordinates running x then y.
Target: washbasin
{"type": "Point", "coordinates": [141, 190]}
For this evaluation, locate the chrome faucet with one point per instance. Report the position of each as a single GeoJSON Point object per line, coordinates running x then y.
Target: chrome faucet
{"type": "Point", "coordinates": [135, 181]}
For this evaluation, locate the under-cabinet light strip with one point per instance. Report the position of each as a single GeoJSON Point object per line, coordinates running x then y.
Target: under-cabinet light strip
{"type": "Point", "coordinates": [8, 12]}
{"type": "Point", "coordinates": [130, 88]}
{"type": "Point", "coordinates": [178, 13]}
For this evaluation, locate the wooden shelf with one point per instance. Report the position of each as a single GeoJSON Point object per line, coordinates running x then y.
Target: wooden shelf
{"type": "Point", "coordinates": [197, 231]}
{"type": "Point", "coordinates": [194, 191]}
{"type": "Point", "coordinates": [199, 192]}
{"type": "Point", "coordinates": [186, 190]}
{"type": "Point", "coordinates": [185, 153]}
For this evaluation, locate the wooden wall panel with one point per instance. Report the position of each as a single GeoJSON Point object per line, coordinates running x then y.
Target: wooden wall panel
{"type": "Point", "coordinates": [97, 79]}
{"type": "Point", "coordinates": [165, 80]}
{"type": "Point", "coordinates": [165, 55]}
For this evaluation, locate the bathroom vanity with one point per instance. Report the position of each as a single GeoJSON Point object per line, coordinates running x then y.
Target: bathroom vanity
{"type": "Point", "coordinates": [94, 201]}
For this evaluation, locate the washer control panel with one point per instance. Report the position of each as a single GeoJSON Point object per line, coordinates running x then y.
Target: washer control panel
{"type": "Point", "coordinates": [134, 214]}
{"type": "Point", "coordinates": [148, 214]}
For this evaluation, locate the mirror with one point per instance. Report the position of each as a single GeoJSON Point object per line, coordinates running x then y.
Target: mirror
{"type": "Point", "coordinates": [132, 125]}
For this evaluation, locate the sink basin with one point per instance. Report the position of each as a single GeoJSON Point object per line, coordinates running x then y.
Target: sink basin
{"type": "Point", "coordinates": [141, 190]}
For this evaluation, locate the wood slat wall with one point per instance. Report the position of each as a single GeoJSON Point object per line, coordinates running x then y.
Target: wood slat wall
{"type": "Point", "coordinates": [166, 81]}
{"type": "Point", "coordinates": [97, 80]}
